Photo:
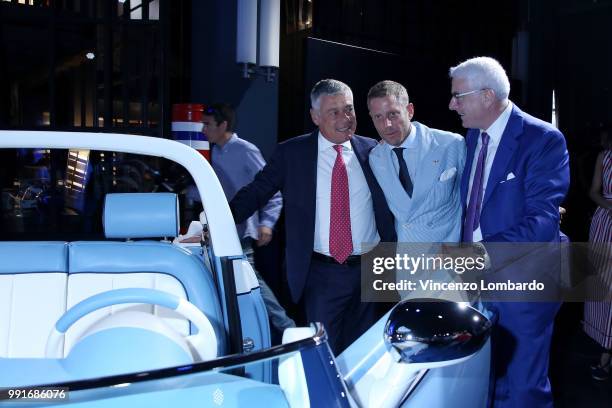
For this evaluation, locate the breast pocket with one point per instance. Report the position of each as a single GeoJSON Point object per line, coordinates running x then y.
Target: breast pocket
{"type": "Point", "coordinates": [442, 190]}
{"type": "Point", "coordinates": [505, 185]}
{"type": "Point", "coordinates": [510, 189]}
{"type": "Point", "coordinates": [448, 174]}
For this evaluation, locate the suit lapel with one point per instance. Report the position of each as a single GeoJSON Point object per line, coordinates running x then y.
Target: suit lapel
{"type": "Point", "coordinates": [309, 168]}
{"type": "Point", "coordinates": [429, 165]}
{"type": "Point", "coordinates": [505, 150]}
{"type": "Point", "coordinates": [471, 141]}
{"type": "Point", "coordinates": [361, 152]}
{"type": "Point", "coordinates": [388, 179]}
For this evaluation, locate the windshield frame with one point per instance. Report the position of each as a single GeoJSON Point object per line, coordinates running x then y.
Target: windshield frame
{"type": "Point", "coordinates": [223, 363]}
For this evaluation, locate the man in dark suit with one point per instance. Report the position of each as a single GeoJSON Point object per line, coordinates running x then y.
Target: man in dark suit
{"type": "Point", "coordinates": [333, 205]}
{"type": "Point", "coordinates": [515, 177]}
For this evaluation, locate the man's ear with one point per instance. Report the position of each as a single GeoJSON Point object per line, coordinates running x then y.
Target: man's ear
{"type": "Point", "coordinates": [223, 126]}
{"type": "Point", "coordinates": [314, 115]}
{"type": "Point", "coordinates": [489, 96]}
{"type": "Point", "coordinates": [410, 109]}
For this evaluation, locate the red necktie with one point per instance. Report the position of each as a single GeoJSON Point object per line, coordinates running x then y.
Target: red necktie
{"type": "Point", "coordinates": [340, 236]}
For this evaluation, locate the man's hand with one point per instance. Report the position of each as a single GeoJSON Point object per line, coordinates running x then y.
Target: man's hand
{"type": "Point", "coordinates": [465, 250]}
{"type": "Point", "coordinates": [456, 250]}
{"type": "Point", "coordinates": [265, 236]}
{"type": "Point", "coordinates": [562, 212]}
{"type": "Point", "coordinates": [195, 239]}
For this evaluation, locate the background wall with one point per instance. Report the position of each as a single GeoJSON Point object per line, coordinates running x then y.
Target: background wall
{"type": "Point", "coordinates": [215, 76]}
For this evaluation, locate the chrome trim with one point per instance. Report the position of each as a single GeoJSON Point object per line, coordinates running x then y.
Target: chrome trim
{"type": "Point", "coordinates": [414, 384]}
{"type": "Point", "coordinates": [248, 345]}
{"type": "Point", "coordinates": [320, 335]}
{"type": "Point", "coordinates": [223, 363]}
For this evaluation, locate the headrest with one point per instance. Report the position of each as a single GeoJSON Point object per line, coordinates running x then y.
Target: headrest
{"type": "Point", "coordinates": [141, 215]}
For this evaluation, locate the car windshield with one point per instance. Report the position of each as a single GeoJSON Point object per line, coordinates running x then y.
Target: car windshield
{"type": "Point", "coordinates": [58, 194]}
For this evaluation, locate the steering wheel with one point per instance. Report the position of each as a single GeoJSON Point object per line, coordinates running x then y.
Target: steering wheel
{"type": "Point", "coordinates": [203, 344]}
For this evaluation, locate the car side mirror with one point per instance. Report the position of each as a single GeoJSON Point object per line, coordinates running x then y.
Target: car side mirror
{"type": "Point", "coordinates": [438, 332]}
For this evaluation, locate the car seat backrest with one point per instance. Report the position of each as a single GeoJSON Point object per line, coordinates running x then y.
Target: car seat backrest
{"type": "Point", "coordinates": [39, 281]}
{"type": "Point", "coordinates": [33, 278]}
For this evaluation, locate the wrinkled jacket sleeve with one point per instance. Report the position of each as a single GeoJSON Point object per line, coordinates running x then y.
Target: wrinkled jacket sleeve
{"type": "Point", "coordinates": [268, 214]}
{"type": "Point", "coordinates": [256, 195]}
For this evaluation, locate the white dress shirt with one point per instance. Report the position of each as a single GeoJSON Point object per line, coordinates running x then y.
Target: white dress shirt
{"type": "Point", "coordinates": [495, 132]}
{"type": "Point", "coordinates": [363, 224]}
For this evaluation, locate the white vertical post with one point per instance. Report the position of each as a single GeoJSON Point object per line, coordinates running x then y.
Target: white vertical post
{"type": "Point", "coordinates": [269, 33]}
{"type": "Point", "coordinates": [246, 32]}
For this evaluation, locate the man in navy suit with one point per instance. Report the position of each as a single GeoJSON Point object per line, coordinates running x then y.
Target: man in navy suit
{"type": "Point", "coordinates": [516, 175]}
{"type": "Point", "coordinates": [333, 205]}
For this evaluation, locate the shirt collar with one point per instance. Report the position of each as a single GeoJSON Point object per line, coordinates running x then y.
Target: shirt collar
{"type": "Point", "coordinates": [325, 144]}
{"type": "Point", "coordinates": [231, 140]}
{"type": "Point", "coordinates": [496, 130]}
{"type": "Point", "coordinates": [410, 142]}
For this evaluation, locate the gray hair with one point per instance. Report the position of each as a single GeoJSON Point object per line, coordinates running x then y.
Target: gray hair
{"type": "Point", "coordinates": [389, 88]}
{"type": "Point", "coordinates": [328, 87]}
{"type": "Point", "coordinates": [484, 73]}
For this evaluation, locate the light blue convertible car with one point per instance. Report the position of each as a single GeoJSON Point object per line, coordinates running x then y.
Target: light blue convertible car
{"type": "Point", "coordinates": [133, 319]}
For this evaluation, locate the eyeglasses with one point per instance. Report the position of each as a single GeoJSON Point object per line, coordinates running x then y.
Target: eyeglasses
{"type": "Point", "coordinates": [458, 96]}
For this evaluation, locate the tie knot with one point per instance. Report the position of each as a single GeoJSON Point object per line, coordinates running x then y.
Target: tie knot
{"type": "Point", "coordinates": [485, 138]}
{"type": "Point", "coordinates": [399, 151]}
{"type": "Point", "coordinates": [338, 148]}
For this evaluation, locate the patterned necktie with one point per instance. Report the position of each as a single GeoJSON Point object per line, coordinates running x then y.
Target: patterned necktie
{"type": "Point", "coordinates": [404, 176]}
{"type": "Point", "coordinates": [340, 236]}
{"type": "Point", "coordinates": [472, 216]}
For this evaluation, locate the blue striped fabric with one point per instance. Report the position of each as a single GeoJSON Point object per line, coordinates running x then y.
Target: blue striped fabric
{"type": "Point", "coordinates": [598, 315]}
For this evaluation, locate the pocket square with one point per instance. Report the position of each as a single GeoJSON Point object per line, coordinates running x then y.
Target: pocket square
{"type": "Point", "coordinates": [448, 174]}
{"type": "Point", "coordinates": [510, 176]}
